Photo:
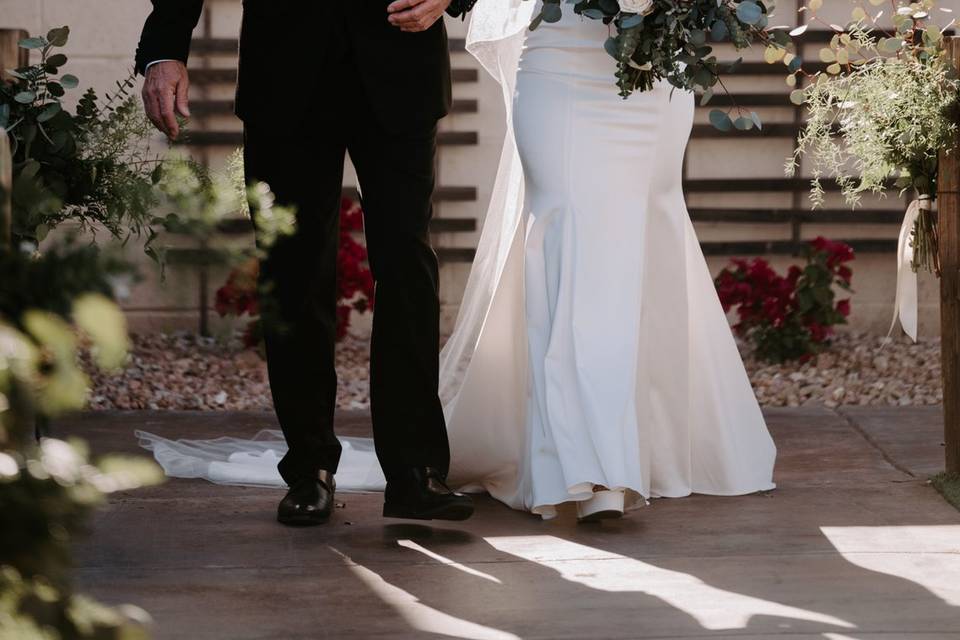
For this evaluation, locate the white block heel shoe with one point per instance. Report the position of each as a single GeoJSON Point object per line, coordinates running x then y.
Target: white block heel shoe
{"type": "Point", "coordinates": [604, 505]}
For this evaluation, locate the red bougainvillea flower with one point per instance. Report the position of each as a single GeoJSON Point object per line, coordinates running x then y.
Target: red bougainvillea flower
{"type": "Point", "coordinates": [353, 275]}
{"type": "Point", "coordinates": [355, 286]}
{"type": "Point", "coordinates": [844, 273]}
{"type": "Point", "coordinates": [239, 295]}
{"type": "Point", "coordinates": [836, 252]}
{"type": "Point", "coordinates": [843, 307]}
{"type": "Point", "coordinates": [818, 332]}
{"type": "Point", "coordinates": [793, 274]}
{"type": "Point", "coordinates": [788, 316]}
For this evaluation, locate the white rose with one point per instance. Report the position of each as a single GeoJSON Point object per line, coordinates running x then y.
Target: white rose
{"type": "Point", "coordinates": [636, 6]}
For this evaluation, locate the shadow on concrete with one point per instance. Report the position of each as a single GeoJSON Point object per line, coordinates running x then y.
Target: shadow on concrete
{"type": "Point", "coordinates": [558, 587]}
{"type": "Point", "coordinates": [848, 546]}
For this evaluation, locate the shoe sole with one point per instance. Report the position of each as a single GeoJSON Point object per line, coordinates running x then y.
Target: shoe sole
{"type": "Point", "coordinates": [604, 505]}
{"type": "Point", "coordinates": [597, 516]}
{"type": "Point", "coordinates": [302, 521]}
{"type": "Point", "coordinates": [455, 513]}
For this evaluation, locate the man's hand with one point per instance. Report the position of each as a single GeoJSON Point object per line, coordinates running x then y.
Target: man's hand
{"type": "Point", "coordinates": [165, 95]}
{"type": "Point", "coordinates": [416, 15]}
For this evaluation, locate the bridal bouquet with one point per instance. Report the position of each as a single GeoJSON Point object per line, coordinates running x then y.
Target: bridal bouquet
{"type": "Point", "coordinates": [668, 40]}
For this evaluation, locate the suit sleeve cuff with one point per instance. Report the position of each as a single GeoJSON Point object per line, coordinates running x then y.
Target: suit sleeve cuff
{"type": "Point", "coordinates": [147, 66]}
{"type": "Point", "coordinates": [459, 8]}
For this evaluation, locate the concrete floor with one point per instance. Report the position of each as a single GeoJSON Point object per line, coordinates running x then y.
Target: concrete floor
{"type": "Point", "coordinates": [853, 544]}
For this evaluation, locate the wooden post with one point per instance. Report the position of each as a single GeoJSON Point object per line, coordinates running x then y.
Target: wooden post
{"type": "Point", "coordinates": [948, 207]}
{"type": "Point", "coordinates": [6, 189]}
{"type": "Point", "coordinates": [11, 55]}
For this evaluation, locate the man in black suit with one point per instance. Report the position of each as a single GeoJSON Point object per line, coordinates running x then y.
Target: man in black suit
{"type": "Point", "coordinates": [318, 79]}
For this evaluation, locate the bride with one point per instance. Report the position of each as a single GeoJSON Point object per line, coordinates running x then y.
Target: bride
{"type": "Point", "coordinates": [591, 362]}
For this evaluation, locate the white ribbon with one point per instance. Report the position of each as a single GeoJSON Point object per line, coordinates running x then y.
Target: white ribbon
{"type": "Point", "coordinates": [905, 301]}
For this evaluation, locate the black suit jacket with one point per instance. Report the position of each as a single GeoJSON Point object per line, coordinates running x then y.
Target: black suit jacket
{"type": "Point", "coordinates": [285, 45]}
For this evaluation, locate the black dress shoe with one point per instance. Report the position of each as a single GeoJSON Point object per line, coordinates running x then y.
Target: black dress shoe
{"type": "Point", "coordinates": [422, 494]}
{"type": "Point", "coordinates": [309, 501]}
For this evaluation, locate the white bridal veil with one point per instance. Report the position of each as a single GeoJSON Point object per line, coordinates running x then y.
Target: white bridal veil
{"type": "Point", "coordinates": [495, 38]}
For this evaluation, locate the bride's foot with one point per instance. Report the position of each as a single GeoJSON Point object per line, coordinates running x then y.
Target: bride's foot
{"type": "Point", "coordinates": [603, 505]}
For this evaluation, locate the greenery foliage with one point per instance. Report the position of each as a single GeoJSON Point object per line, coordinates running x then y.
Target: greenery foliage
{"type": "Point", "coordinates": [668, 40]}
{"type": "Point", "coordinates": [52, 283]}
{"type": "Point", "coordinates": [34, 609]}
{"type": "Point", "coordinates": [49, 305]}
{"type": "Point", "coordinates": [195, 201]}
{"type": "Point", "coordinates": [93, 167]}
{"type": "Point", "coordinates": [948, 484]}
{"type": "Point", "coordinates": [882, 111]}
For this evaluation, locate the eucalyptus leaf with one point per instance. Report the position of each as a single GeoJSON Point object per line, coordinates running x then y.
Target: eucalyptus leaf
{"type": "Point", "coordinates": [57, 60]}
{"type": "Point", "coordinates": [69, 81]}
{"type": "Point", "coordinates": [32, 43]}
{"type": "Point", "coordinates": [749, 12]}
{"type": "Point", "coordinates": [703, 77]}
{"type": "Point", "coordinates": [720, 120]}
{"type": "Point", "coordinates": [781, 37]}
{"type": "Point", "coordinates": [609, 6]}
{"type": "Point", "coordinates": [30, 168]}
{"type": "Point", "coordinates": [610, 46]}
{"type": "Point", "coordinates": [719, 30]}
{"type": "Point", "coordinates": [551, 13]}
{"type": "Point", "coordinates": [60, 140]}
{"type": "Point", "coordinates": [49, 112]}
{"type": "Point", "coordinates": [890, 45]}
{"type": "Point", "coordinates": [25, 97]}
{"type": "Point", "coordinates": [58, 37]}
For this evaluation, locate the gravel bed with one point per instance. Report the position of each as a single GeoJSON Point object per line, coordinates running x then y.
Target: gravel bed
{"type": "Point", "coordinates": [182, 371]}
{"type": "Point", "coordinates": [857, 369]}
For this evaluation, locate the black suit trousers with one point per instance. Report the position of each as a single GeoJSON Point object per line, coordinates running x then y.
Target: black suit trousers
{"type": "Point", "coordinates": [304, 164]}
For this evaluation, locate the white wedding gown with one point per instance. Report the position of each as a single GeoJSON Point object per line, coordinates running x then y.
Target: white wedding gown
{"type": "Point", "coordinates": [591, 348]}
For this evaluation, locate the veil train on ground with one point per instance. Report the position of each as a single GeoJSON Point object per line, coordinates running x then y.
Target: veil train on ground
{"type": "Point", "coordinates": [495, 38]}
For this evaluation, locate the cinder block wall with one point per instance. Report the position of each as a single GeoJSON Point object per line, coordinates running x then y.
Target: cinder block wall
{"type": "Point", "coordinates": [104, 36]}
